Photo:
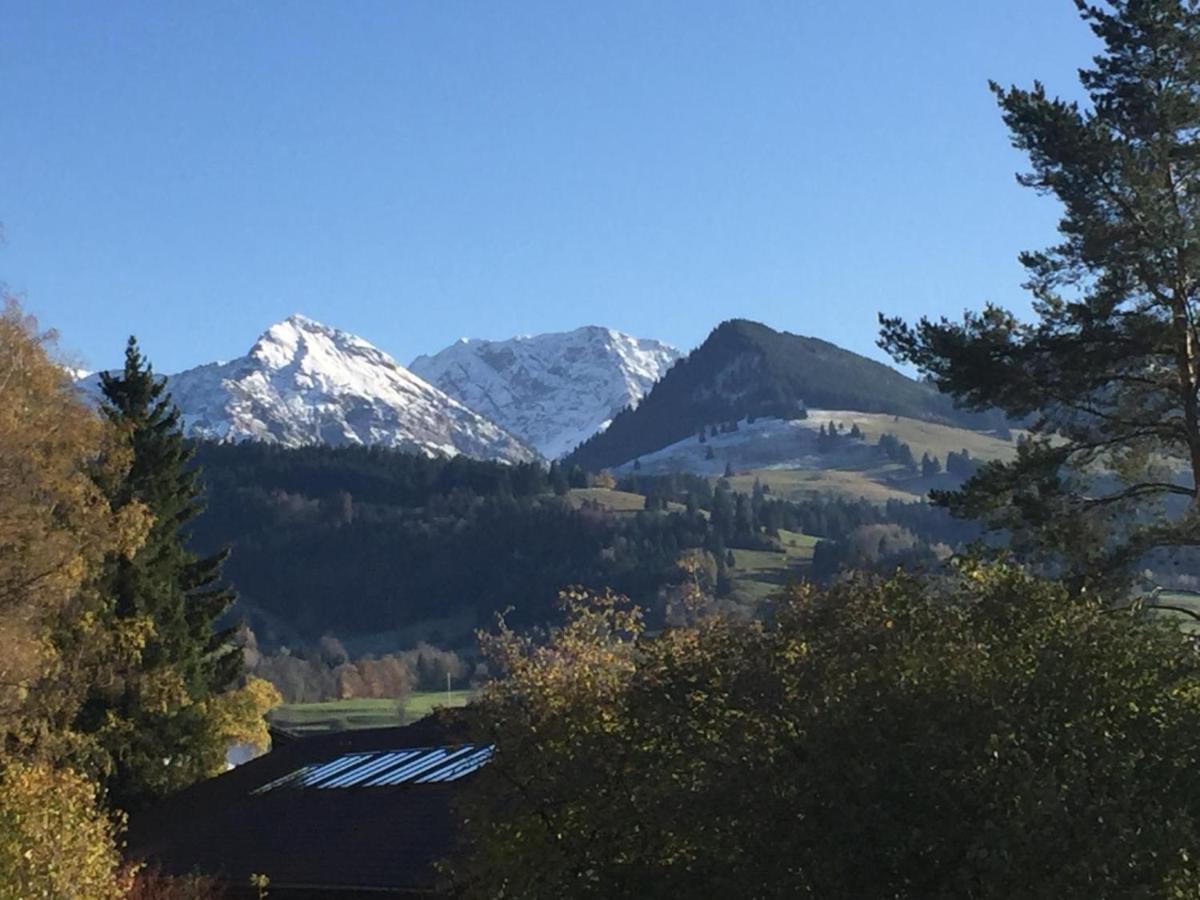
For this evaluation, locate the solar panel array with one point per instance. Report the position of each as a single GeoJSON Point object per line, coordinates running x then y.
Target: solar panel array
{"type": "Point", "coordinates": [385, 768]}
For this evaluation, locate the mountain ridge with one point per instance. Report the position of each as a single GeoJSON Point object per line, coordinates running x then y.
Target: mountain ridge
{"type": "Point", "coordinates": [303, 383]}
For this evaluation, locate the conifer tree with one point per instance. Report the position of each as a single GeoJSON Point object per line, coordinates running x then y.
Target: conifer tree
{"type": "Point", "coordinates": [930, 465]}
{"type": "Point", "coordinates": [1109, 371]}
{"type": "Point", "coordinates": [157, 722]}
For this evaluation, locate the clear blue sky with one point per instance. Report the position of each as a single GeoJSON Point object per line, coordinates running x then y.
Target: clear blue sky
{"type": "Point", "coordinates": [419, 171]}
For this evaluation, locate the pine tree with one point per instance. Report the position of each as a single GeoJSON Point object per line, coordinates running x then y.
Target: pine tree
{"type": "Point", "coordinates": [156, 723]}
{"type": "Point", "coordinates": [558, 480]}
{"type": "Point", "coordinates": [930, 465]}
{"type": "Point", "coordinates": [1109, 372]}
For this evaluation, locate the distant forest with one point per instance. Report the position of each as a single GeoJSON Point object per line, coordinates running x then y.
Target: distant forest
{"type": "Point", "coordinates": [354, 541]}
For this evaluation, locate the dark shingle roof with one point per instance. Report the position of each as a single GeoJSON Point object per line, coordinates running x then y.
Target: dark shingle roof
{"type": "Point", "coordinates": [383, 837]}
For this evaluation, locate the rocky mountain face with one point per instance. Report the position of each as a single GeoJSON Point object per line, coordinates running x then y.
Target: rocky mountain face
{"type": "Point", "coordinates": [306, 383]}
{"type": "Point", "coordinates": [553, 391]}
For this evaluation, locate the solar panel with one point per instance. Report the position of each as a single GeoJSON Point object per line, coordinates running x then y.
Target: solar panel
{"type": "Point", "coordinates": [387, 768]}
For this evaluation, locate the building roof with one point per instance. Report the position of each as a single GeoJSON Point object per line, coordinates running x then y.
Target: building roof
{"type": "Point", "coordinates": [349, 812]}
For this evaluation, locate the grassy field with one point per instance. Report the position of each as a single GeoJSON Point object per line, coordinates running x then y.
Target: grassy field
{"type": "Point", "coordinates": [1187, 601]}
{"type": "Point", "coordinates": [616, 501]}
{"type": "Point", "coordinates": [757, 574]}
{"type": "Point", "coordinates": [343, 715]}
{"type": "Point", "coordinates": [923, 437]}
{"type": "Point", "coordinates": [851, 479]}
{"type": "Point", "coordinates": [806, 484]}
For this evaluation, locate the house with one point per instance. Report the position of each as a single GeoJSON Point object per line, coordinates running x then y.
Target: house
{"type": "Point", "coordinates": [348, 814]}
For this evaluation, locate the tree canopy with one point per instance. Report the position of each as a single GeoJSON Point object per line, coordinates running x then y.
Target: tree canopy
{"type": "Point", "coordinates": [1108, 374]}
{"type": "Point", "coordinates": [981, 737]}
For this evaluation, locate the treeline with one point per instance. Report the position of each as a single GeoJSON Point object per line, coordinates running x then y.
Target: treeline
{"type": "Point", "coordinates": [327, 672]}
{"type": "Point", "coordinates": [356, 540]}
{"type": "Point", "coordinates": [855, 534]}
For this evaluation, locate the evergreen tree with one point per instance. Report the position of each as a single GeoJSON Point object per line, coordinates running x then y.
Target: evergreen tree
{"type": "Point", "coordinates": [558, 481]}
{"type": "Point", "coordinates": [930, 465]}
{"type": "Point", "coordinates": [826, 439]}
{"type": "Point", "coordinates": [1109, 372]}
{"type": "Point", "coordinates": [157, 722]}
{"type": "Point", "coordinates": [960, 464]}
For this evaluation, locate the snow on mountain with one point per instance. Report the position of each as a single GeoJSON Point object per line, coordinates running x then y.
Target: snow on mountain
{"type": "Point", "coordinates": [551, 390]}
{"type": "Point", "coordinates": [306, 383]}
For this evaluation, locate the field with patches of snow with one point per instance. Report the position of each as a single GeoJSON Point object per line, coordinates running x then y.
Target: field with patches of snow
{"type": "Point", "coordinates": [762, 444]}
{"type": "Point", "coordinates": [783, 454]}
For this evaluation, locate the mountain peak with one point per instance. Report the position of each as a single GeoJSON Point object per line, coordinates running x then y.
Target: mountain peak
{"type": "Point", "coordinates": [304, 382]}
{"type": "Point", "coordinates": [298, 322]}
{"type": "Point", "coordinates": [745, 368]}
{"type": "Point", "coordinates": [551, 390]}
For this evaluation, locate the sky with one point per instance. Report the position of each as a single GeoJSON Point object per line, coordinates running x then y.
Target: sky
{"type": "Point", "coordinates": [416, 172]}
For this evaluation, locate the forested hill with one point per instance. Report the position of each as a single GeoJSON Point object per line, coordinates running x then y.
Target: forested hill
{"type": "Point", "coordinates": [368, 542]}
{"type": "Point", "coordinates": [747, 369]}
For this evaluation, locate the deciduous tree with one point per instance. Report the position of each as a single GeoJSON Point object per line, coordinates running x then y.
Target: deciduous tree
{"type": "Point", "coordinates": [982, 737]}
{"type": "Point", "coordinates": [56, 530]}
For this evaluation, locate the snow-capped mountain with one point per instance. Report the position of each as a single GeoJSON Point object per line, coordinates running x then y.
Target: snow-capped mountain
{"type": "Point", "coordinates": [306, 383]}
{"type": "Point", "coordinates": [551, 390]}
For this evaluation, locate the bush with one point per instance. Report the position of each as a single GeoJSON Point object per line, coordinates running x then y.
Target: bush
{"type": "Point", "coordinates": [154, 884]}
{"type": "Point", "coordinates": [55, 840]}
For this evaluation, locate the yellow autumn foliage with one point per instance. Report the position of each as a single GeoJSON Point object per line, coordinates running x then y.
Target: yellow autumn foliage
{"type": "Point", "coordinates": [239, 716]}
{"type": "Point", "coordinates": [55, 842]}
{"type": "Point", "coordinates": [56, 526]}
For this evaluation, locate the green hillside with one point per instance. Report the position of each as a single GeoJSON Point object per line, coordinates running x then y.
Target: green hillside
{"type": "Point", "coordinates": [747, 369]}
